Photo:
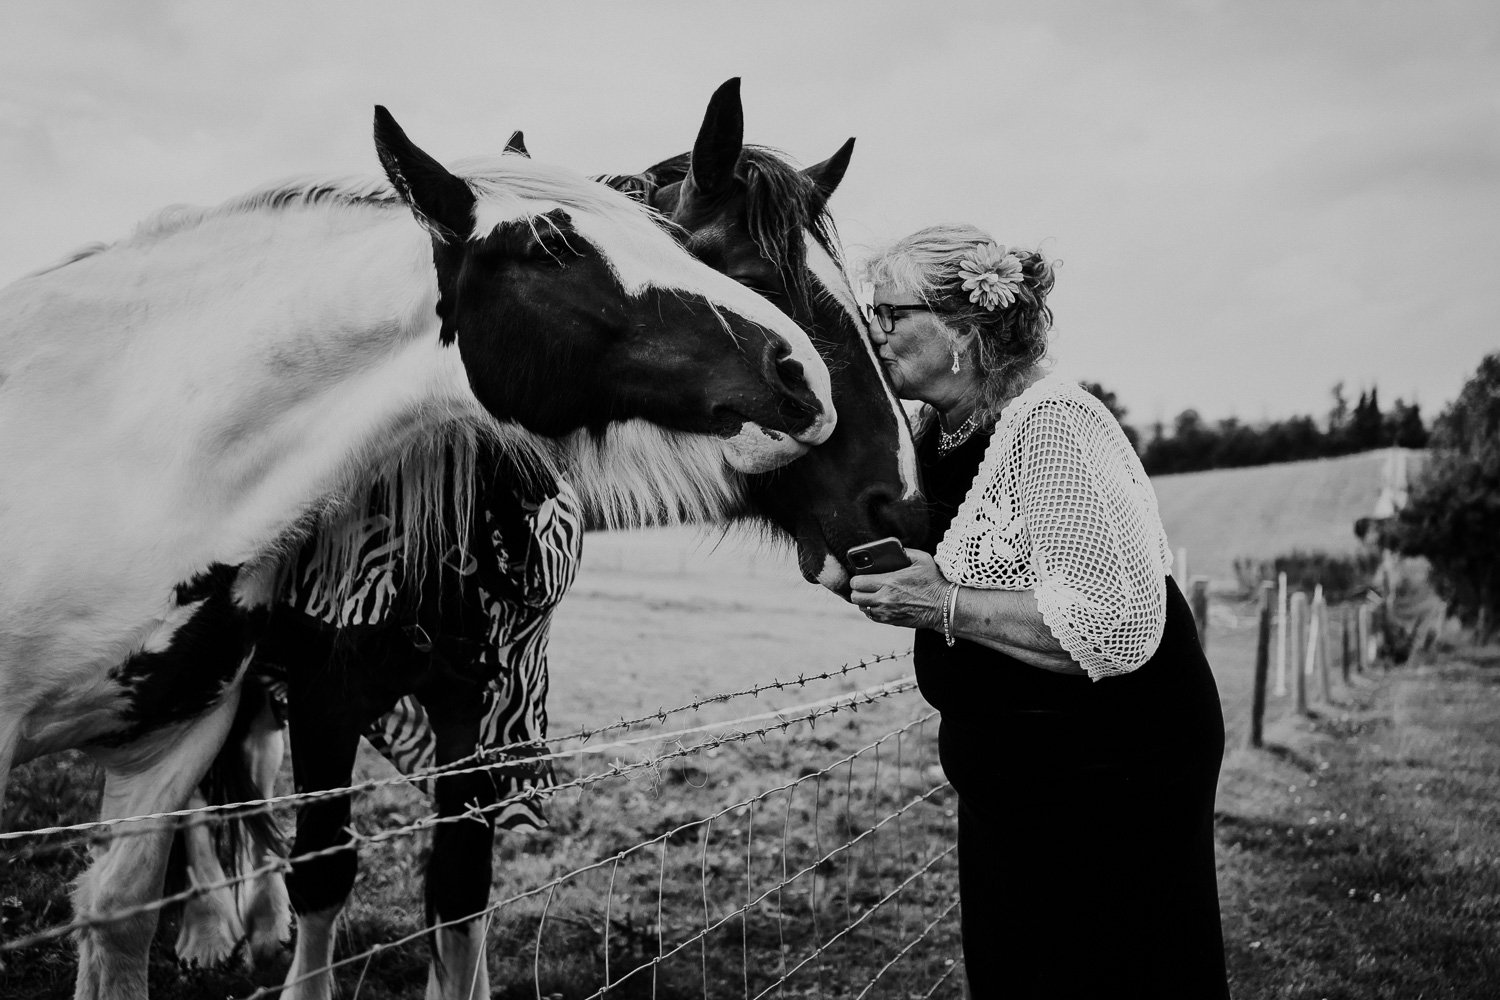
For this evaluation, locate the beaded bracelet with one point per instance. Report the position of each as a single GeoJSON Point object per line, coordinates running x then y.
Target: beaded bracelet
{"type": "Point", "coordinates": [950, 608]}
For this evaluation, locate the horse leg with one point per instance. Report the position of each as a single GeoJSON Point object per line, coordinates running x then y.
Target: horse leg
{"type": "Point", "coordinates": [156, 774]}
{"type": "Point", "coordinates": [325, 738]}
{"type": "Point", "coordinates": [265, 911]}
{"type": "Point", "coordinates": [254, 909]}
{"type": "Point", "coordinates": [210, 928]}
{"type": "Point", "coordinates": [459, 867]}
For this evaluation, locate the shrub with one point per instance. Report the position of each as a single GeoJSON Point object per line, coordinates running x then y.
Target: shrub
{"type": "Point", "coordinates": [1342, 575]}
{"type": "Point", "coordinates": [1453, 517]}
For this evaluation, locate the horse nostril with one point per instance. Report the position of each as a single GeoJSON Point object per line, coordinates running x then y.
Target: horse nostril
{"type": "Point", "coordinates": [792, 379]}
{"type": "Point", "coordinates": [789, 370]}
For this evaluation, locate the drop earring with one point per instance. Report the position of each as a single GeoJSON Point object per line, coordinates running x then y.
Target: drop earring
{"type": "Point", "coordinates": [955, 361]}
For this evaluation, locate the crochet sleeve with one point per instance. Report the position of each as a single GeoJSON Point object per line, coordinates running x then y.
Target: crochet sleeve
{"type": "Point", "coordinates": [1101, 588]}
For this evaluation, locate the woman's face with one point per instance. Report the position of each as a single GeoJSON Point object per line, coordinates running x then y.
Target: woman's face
{"type": "Point", "coordinates": [917, 352]}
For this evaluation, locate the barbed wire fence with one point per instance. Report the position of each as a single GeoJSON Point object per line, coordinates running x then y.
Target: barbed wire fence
{"type": "Point", "coordinates": [806, 850]}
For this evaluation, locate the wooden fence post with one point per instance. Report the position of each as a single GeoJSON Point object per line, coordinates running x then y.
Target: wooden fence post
{"type": "Point", "coordinates": [1362, 637]}
{"type": "Point", "coordinates": [1299, 675]}
{"type": "Point", "coordinates": [1199, 603]}
{"type": "Point", "coordinates": [1281, 635]}
{"type": "Point", "coordinates": [1179, 567]}
{"type": "Point", "coordinates": [1344, 660]}
{"type": "Point", "coordinates": [1387, 647]}
{"type": "Point", "coordinates": [1325, 649]}
{"type": "Point", "coordinates": [1310, 656]}
{"type": "Point", "coordinates": [1254, 738]}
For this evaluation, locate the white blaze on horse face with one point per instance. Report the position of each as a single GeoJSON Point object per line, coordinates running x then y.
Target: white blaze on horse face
{"type": "Point", "coordinates": [832, 278]}
{"type": "Point", "coordinates": [641, 255]}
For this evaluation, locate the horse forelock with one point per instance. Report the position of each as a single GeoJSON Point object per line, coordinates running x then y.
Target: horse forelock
{"type": "Point", "coordinates": [781, 204]}
{"type": "Point", "coordinates": [515, 188]}
{"type": "Point", "coordinates": [632, 238]}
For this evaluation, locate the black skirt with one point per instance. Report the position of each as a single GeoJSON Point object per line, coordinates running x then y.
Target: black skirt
{"type": "Point", "coordinates": [1086, 849]}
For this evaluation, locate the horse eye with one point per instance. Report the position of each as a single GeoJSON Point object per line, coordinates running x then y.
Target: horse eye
{"type": "Point", "coordinates": [553, 246]}
{"type": "Point", "coordinates": [758, 287]}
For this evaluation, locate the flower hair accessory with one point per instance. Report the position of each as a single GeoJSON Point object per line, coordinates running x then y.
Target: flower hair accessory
{"type": "Point", "coordinates": [991, 274]}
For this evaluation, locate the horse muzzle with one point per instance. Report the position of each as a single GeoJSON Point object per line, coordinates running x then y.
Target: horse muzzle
{"type": "Point", "coordinates": [754, 448]}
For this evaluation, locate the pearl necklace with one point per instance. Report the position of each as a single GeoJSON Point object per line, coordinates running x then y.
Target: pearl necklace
{"type": "Point", "coordinates": [947, 442]}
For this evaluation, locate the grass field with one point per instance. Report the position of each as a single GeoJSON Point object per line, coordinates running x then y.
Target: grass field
{"type": "Point", "coordinates": [1357, 850]}
{"type": "Point", "coordinates": [1262, 512]}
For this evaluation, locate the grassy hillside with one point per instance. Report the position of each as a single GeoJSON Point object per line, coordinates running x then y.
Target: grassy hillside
{"type": "Point", "coordinates": [1261, 512]}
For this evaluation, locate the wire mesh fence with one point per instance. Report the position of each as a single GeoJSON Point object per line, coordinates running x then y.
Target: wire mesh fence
{"type": "Point", "coordinates": [800, 851]}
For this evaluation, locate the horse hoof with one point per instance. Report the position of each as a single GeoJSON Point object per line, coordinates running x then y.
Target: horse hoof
{"type": "Point", "coordinates": [264, 948]}
{"type": "Point", "coordinates": [206, 949]}
{"type": "Point", "coordinates": [211, 931]}
{"type": "Point", "coordinates": [268, 922]}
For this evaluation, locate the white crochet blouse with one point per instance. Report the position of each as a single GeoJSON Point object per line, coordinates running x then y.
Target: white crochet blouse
{"type": "Point", "coordinates": [1061, 506]}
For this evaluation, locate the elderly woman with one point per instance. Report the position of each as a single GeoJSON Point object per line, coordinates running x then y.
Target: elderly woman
{"type": "Point", "coordinates": [1081, 724]}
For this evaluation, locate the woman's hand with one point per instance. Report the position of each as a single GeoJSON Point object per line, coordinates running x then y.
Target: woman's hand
{"type": "Point", "coordinates": [911, 597]}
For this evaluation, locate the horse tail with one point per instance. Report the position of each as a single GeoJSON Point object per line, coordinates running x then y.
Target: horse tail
{"type": "Point", "coordinates": [231, 777]}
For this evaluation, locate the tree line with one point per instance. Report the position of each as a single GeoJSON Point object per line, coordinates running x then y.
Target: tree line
{"type": "Point", "coordinates": [1193, 444]}
{"type": "Point", "coordinates": [1452, 515]}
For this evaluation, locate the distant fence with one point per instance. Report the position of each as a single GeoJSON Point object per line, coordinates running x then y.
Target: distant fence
{"type": "Point", "coordinates": [1302, 641]}
{"type": "Point", "coordinates": [1310, 642]}
{"type": "Point", "coordinates": [816, 860]}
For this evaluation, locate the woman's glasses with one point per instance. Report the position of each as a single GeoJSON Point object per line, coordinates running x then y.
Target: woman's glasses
{"type": "Point", "coordinates": [885, 314]}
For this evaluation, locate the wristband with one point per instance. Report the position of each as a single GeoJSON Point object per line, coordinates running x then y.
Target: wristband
{"type": "Point", "coordinates": [950, 609]}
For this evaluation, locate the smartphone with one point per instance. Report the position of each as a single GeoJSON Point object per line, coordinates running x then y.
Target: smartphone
{"type": "Point", "coordinates": [883, 556]}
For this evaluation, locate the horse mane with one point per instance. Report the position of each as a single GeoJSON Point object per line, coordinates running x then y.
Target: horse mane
{"type": "Point", "coordinates": [780, 203]}
{"type": "Point", "coordinates": [633, 474]}
{"type": "Point", "coordinates": [636, 474]}
{"type": "Point", "coordinates": [515, 182]}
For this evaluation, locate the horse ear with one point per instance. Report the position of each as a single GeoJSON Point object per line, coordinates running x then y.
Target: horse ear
{"type": "Point", "coordinates": [442, 203]}
{"type": "Point", "coordinates": [517, 144]}
{"type": "Point", "coordinates": [720, 140]}
{"type": "Point", "coordinates": [830, 172]}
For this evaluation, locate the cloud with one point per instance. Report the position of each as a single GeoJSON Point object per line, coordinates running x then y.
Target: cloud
{"type": "Point", "coordinates": [1252, 202]}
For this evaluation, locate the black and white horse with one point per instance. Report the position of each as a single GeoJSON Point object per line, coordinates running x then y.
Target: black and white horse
{"type": "Point", "coordinates": [752, 215]}
{"type": "Point", "coordinates": [178, 408]}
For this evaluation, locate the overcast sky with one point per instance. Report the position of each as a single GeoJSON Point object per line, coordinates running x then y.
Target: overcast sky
{"type": "Point", "coordinates": [1251, 201]}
